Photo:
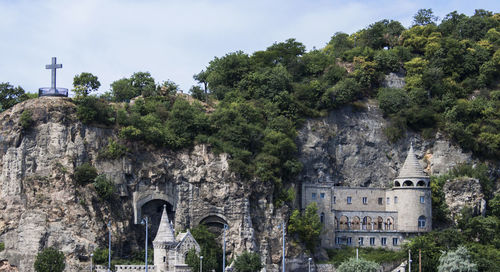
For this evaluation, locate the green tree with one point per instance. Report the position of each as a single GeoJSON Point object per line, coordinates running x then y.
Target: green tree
{"type": "Point", "coordinates": [248, 262]}
{"type": "Point", "coordinates": [357, 265]}
{"type": "Point", "coordinates": [85, 174]}
{"type": "Point", "coordinates": [494, 205]}
{"type": "Point", "coordinates": [85, 83]}
{"type": "Point", "coordinates": [307, 227]}
{"type": "Point", "coordinates": [456, 261]}
{"type": "Point", "coordinates": [424, 17]}
{"type": "Point", "coordinates": [392, 100]}
{"type": "Point", "coordinates": [50, 260]}
{"type": "Point", "coordinates": [210, 250]}
{"type": "Point", "coordinates": [9, 96]}
{"type": "Point", "coordinates": [123, 90]}
{"type": "Point", "coordinates": [143, 83]}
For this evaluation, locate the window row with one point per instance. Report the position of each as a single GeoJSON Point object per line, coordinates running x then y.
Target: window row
{"type": "Point", "coordinates": [355, 223]}
{"type": "Point", "coordinates": [361, 241]}
{"type": "Point", "coordinates": [365, 200]}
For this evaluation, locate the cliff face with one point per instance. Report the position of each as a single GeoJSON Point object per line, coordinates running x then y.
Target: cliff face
{"type": "Point", "coordinates": [41, 205]}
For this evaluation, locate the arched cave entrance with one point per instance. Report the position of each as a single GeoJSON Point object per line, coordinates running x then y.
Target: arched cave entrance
{"type": "Point", "coordinates": [214, 223]}
{"type": "Point", "coordinates": [153, 210]}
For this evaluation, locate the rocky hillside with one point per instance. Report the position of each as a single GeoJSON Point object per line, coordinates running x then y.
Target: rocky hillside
{"type": "Point", "coordinates": [41, 205]}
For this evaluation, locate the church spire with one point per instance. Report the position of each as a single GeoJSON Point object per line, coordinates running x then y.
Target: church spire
{"type": "Point", "coordinates": [165, 234]}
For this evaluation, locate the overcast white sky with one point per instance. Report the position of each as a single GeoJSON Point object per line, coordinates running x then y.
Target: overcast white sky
{"type": "Point", "coordinates": [174, 39]}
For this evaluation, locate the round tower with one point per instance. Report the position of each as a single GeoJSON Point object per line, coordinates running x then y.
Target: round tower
{"type": "Point", "coordinates": [163, 243]}
{"type": "Point", "coordinates": [411, 196]}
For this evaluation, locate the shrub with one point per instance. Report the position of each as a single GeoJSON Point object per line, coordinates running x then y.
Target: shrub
{"type": "Point", "coordinates": [392, 100]}
{"type": "Point", "coordinates": [353, 265]}
{"type": "Point", "coordinates": [101, 256]}
{"type": "Point", "coordinates": [2, 246]}
{"type": "Point", "coordinates": [50, 260]}
{"type": "Point", "coordinates": [93, 109]}
{"type": "Point", "coordinates": [85, 174]}
{"type": "Point", "coordinates": [113, 151]}
{"type": "Point", "coordinates": [307, 227]}
{"type": "Point", "coordinates": [104, 187]}
{"type": "Point", "coordinates": [248, 262]}
{"type": "Point", "coordinates": [26, 120]}
{"type": "Point", "coordinates": [457, 261]}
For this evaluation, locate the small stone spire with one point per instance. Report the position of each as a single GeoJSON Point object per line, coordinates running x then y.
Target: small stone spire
{"type": "Point", "coordinates": [165, 234]}
{"type": "Point", "coordinates": [411, 168]}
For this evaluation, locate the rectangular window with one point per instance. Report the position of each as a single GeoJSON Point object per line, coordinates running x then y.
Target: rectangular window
{"type": "Point", "coordinates": [395, 200]}
{"type": "Point", "coordinates": [394, 241]}
{"type": "Point", "coordinates": [365, 200]}
{"type": "Point", "coordinates": [388, 201]}
{"type": "Point", "coordinates": [313, 195]}
{"type": "Point", "coordinates": [360, 241]}
{"type": "Point", "coordinates": [334, 199]}
{"type": "Point", "coordinates": [380, 200]}
{"type": "Point", "coordinates": [372, 241]}
{"type": "Point", "coordinates": [422, 199]}
{"type": "Point", "coordinates": [349, 200]}
{"type": "Point", "coordinates": [383, 241]}
{"type": "Point", "coordinates": [349, 241]}
{"type": "Point", "coordinates": [337, 240]}
{"type": "Point", "coordinates": [322, 195]}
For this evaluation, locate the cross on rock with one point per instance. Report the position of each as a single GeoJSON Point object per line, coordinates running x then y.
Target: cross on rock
{"type": "Point", "coordinates": [53, 66]}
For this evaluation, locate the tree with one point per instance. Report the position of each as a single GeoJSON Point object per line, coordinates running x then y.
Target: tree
{"type": "Point", "coordinates": [50, 260]}
{"type": "Point", "coordinates": [210, 250]}
{"type": "Point", "coordinates": [9, 96]}
{"type": "Point", "coordinates": [392, 100]}
{"type": "Point", "coordinates": [307, 227]}
{"type": "Point", "coordinates": [104, 187]}
{"type": "Point", "coordinates": [424, 17]}
{"type": "Point", "coordinates": [122, 90]}
{"type": "Point", "coordinates": [85, 83]}
{"type": "Point", "coordinates": [456, 261]}
{"type": "Point", "coordinates": [248, 262]}
{"type": "Point", "coordinates": [143, 83]}
{"type": "Point", "coordinates": [357, 265]}
{"type": "Point", "coordinates": [85, 174]}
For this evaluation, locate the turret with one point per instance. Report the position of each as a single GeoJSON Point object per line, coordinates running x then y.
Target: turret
{"type": "Point", "coordinates": [163, 242]}
{"type": "Point", "coordinates": [411, 196]}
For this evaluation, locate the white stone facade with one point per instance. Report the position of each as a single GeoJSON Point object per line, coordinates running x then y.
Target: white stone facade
{"type": "Point", "coordinates": [373, 217]}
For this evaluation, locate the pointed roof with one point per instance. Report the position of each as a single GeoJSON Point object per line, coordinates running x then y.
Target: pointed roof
{"type": "Point", "coordinates": [411, 168]}
{"type": "Point", "coordinates": [165, 233]}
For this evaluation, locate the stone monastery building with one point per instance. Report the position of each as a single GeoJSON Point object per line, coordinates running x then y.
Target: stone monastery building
{"type": "Point", "coordinates": [374, 217]}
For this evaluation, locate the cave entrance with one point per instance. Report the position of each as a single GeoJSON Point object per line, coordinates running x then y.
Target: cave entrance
{"type": "Point", "coordinates": [153, 211]}
{"type": "Point", "coordinates": [215, 224]}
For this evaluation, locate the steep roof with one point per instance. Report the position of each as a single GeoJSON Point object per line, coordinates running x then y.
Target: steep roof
{"type": "Point", "coordinates": [411, 168]}
{"type": "Point", "coordinates": [165, 232]}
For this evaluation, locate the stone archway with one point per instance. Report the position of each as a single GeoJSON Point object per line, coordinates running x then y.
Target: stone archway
{"type": "Point", "coordinates": [215, 222]}
{"type": "Point", "coordinates": [141, 198]}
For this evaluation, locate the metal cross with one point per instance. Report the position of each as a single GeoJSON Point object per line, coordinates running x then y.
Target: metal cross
{"type": "Point", "coordinates": [53, 67]}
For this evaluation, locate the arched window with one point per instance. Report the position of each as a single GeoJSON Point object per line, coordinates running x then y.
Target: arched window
{"type": "Point", "coordinates": [421, 183]}
{"type": "Point", "coordinates": [322, 218]}
{"type": "Point", "coordinates": [421, 222]}
{"type": "Point", "coordinates": [390, 223]}
{"type": "Point", "coordinates": [397, 184]}
{"type": "Point", "coordinates": [344, 221]}
{"type": "Point", "coordinates": [355, 223]}
{"type": "Point", "coordinates": [407, 183]}
{"type": "Point", "coordinates": [367, 223]}
{"type": "Point", "coordinates": [379, 223]}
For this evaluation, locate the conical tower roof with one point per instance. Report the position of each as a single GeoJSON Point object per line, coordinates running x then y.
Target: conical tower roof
{"type": "Point", "coordinates": [411, 167]}
{"type": "Point", "coordinates": [165, 232]}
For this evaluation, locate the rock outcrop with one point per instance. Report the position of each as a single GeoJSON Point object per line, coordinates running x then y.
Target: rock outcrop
{"type": "Point", "coordinates": [41, 205]}
{"type": "Point", "coordinates": [464, 192]}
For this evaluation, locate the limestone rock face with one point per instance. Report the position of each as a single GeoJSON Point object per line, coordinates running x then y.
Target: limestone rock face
{"type": "Point", "coordinates": [41, 205]}
{"type": "Point", "coordinates": [349, 147]}
{"type": "Point", "coordinates": [464, 192]}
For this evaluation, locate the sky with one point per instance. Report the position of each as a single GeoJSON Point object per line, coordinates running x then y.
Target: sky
{"type": "Point", "coordinates": [173, 40]}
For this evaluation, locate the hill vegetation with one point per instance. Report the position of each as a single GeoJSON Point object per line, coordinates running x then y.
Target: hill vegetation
{"type": "Point", "coordinates": [251, 105]}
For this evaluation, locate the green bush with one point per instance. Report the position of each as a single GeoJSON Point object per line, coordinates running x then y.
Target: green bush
{"type": "Point", "coordinates": [357, 265]}
{"type": "Point", "coordinates": [104, 187]}
{"type": "Point", "coordinates": [26, 120]}
{"type": "Point", "coordinates": [248, 262]}
{"type": "Point", "coordinates": [93, 109]}
{"type": "Point", "coordinates": [50, 260]}
{"type": "Point", "coordinates": [378, 255]}
{"type": "Point", "coordinates": [113, 150]}
{"type": "Point", "coordinates": [210, 250]}
{"type": "Point", "coordinates": [2, 246]}
{"type": "Point", "coordinates": [306, 227]}
{"type": "Point", "coordinates": [101, 256]}
{"type": "Point", "coordinates": [85, 174]}
{"type": "Point", "coordinates": [392, 100]}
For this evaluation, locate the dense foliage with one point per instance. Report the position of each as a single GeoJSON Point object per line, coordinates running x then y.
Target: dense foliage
{"type": "Point", "coordinates": [210, 250]}
{"type": "Point", "coordinates": [10, 95]}
{"type": "Point", "coordinates": [377, 255]}
{"type": "Point", "coordinates": [85, 174]}
{"type": "Point", "coordinates": [248, 262]}
{"type": "Point", "coordinates": [306, 227]}
{"type": "Point", "coordinates": [104, 187]}
{"type": "Point", "coordinates": [356, 265]}
{"type": "Point", "coordinates": [2, 246]}
{"type": "Point", "coordinates": [26, 120]}
{"type": "Point", "coordinates": [50, 260]}
{"type": "Point", "coordinates": [85, 83]}
{"type": "Point", "coordinates": [457, 261]}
